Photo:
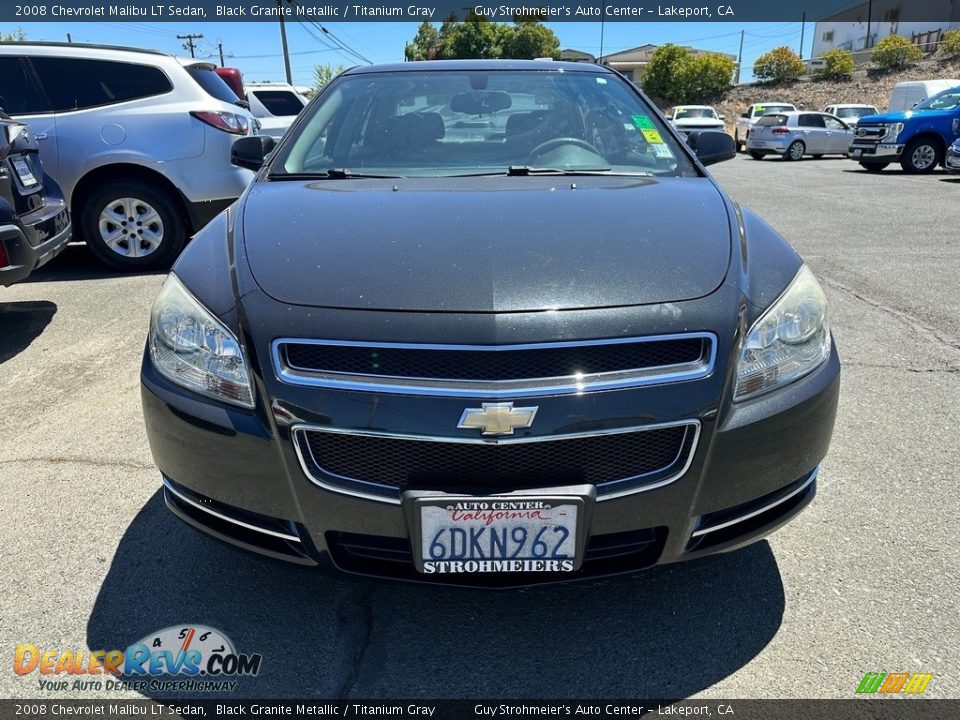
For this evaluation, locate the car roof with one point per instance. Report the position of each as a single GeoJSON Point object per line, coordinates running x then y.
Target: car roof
{"type": "Point", "coordinates": [850, 105]}
{"type": "Point", "coordinates": [81, 47]}
{"type": "Point", "coordinates": [421, 65]}
{"type": "Point", "coordinates": [694, 107]}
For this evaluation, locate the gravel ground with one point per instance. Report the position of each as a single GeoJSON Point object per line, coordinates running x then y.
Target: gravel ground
{"type": "Point", "coordinates": [866, 579]}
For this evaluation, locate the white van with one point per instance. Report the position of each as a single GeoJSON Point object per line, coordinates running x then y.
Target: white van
{"type": "Point", "coordinates": [907, 94]}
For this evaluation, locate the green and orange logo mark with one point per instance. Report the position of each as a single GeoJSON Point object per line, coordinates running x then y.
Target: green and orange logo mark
{"type": "Point", "coordinates": [894, 683]}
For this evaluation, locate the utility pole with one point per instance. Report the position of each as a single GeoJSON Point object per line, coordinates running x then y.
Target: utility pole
{"type": "Point", "coordinates": [740, 58]}
{"type": "Point", "coordinates": [866, 44]}
{"type": "Point", "coordinates": [603, 11]}
{"type": "Point", "coordinates": [190, 44]}
{"type": "Point", "coordinates": [69, 39]}
{"type": "Point", "coordinates": [220, 48]}
{"type": "Point", "coordinates": [803, 26]}
{"type": "Point", "coordinates": [283, 40]}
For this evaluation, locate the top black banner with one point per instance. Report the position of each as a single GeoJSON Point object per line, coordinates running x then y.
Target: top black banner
{"type": "Point", "coordinates": [732, 11]}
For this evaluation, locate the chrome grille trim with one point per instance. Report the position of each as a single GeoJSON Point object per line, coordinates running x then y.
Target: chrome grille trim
{"type": "Point", "coordinates": [530, 387]}
{"type": "Point", "coordinates": [392, 496]}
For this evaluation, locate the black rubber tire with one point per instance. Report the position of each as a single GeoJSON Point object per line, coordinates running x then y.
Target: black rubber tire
{"type": "Point", "coordinates": [786, 155]}
{"type": "Point", "coordinates": [906, 158]}
{"type": "Point", "coordinates": [873, 167]}
{"type": "Point", "coordinates": [757, 155]}
{"type": "Point", "coordinates": [174, 225]}
{"type": "Point", "coordinates": [736, 141]}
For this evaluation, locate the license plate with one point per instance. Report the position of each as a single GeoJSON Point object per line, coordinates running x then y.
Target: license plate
{"type": "Point", "coordinates": [759, 144]}
{"type": "Point", "coordinates": [499, 534]}
{"type": "Point", "coordinates": [23, 172]}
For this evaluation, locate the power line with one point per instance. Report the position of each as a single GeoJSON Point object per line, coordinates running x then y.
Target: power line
{"type": "Point", "coordinates": [190, 44]}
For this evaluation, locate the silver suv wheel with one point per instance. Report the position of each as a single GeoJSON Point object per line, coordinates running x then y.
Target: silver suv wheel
{"type": "Point", "coordinates": [131, 227]}
{"type": "Point", "coordinates": [924, 156]}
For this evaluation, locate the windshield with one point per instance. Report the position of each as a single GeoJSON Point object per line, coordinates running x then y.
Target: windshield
{"type": "Point", "coordinates": [947, 100]}
{"type": "Point", "coordinates": [448, 123]}
{"type": "Point", "coordinates": [694, 113]}
{"type": "Point", "coordinates": [764, 109]}
{"type": "Point", "coordinates": [855, 113]}
{"type": "Point", "coordinates": [279, 102]}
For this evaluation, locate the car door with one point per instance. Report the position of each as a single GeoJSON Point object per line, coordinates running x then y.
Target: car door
{"type": "Point", "coordinates": [839, 134]}
{"type": "Point", "coordinates": [23, 99]}
{"type": "Point", "coordinates": [813, 132]}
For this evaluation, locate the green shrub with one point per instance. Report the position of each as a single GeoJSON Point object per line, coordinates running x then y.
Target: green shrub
{"type": "Point", "coordinates": [779, 65]}
{"type": "Point", "coordinates": [679, 76]}
{"type": "Point", "coordinates": [950, 42]}
{"type": "Point", "coordinates": [895, 51]}
{"type": "Point", "coordinates": [838, 64]}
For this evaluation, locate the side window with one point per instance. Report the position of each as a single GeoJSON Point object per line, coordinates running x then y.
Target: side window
{"type": "Point", "coordinates": [811, 121]}
{"type": "Point", "coordinates": [18, 94]}
{"type": "Point", "coordinates": [74, 84]}
{"type": "Point", "coordinates": [834, 124]}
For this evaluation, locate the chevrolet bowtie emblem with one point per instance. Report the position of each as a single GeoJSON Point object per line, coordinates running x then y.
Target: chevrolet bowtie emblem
{"type": "Point", "coordinates": [497, 418]}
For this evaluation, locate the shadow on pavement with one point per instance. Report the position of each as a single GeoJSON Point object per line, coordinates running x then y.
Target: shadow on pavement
{"type": "Point", "coordinates": [665, 633]}
{"type": "Point", "coordinates": [78, 263]}
{"type": "Point", "coordinates": [21, 323]}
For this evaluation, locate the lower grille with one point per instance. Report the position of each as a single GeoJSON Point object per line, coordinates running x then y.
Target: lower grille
{"type": "Point", "coordinates": [384, 466]}
{"type": "Point", "coordinates": [392, 557]}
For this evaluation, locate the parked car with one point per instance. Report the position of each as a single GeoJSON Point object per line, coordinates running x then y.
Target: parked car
{"type": "Point", "coordinates": [275, 105]}
{"type": "Point", "coordinates": [695, 117]}
{"type": "Point", "coordinates": [907, 94]}
{"type": "Point", "coordinates": [918, 138]}
{"type": "Point", "coordinates": [850, 113]}
{"type": "Point", "coordinates": [749, 117]}
{"type": "Point", "coordinates": [234, 80]}
{"type": "Point", "coordinates": [952, 162]}
{"type": "Point", "coordinates": [795, 134]}
{"type": "Point", "coordinates": [139, 141]}
{"type": "Point", "coordinates": [458, 410]}
{"type": "Point", "coordinates": [34, 221]}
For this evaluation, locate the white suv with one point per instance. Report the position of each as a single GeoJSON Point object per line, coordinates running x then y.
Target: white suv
{"type": "Point", "coordinates": [138, 140]}
{"type": "Point", "coordinates": [275, 105]}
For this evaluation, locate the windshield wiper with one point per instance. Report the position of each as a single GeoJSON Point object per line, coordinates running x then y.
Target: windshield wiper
{"type": "Point", "coordinates": [525, 170]}
{"type": "Point", "coordinates": [331, 174]}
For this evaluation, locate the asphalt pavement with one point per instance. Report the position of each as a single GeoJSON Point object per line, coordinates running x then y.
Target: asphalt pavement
{"type": "Point", "coordinates": [866, 579]}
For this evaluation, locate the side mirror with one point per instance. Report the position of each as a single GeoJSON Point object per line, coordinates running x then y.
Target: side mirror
{"type": "Point", "coordinates": [250, 152]}
{"type": "Point", "coordinates": [711, 146]}
{"type": "Point", "coordinates": [722, 117]}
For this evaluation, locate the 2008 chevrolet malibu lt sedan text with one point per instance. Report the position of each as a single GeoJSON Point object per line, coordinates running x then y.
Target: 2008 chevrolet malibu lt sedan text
{"type": "Point", "coordinates": [488, 323]}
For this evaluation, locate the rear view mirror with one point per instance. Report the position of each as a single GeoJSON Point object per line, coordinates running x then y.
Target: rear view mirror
{"type": "Point", "coordinates": [711, 146]}
{"type": "Point", "coordinates": [480, 102]}
{"type": "Point", "coordinates": [250, 152]}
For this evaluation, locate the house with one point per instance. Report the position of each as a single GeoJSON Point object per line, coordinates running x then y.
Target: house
{"type": "Point", "coordinates": [571, 55]}
{"type": "Point", "coordinates": [632, 62]}
{"type": "Point", "coordinates": [860, 27]}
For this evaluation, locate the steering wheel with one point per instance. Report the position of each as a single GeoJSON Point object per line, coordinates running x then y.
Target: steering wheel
{"type": "Point", "coordinates": [557, 142]}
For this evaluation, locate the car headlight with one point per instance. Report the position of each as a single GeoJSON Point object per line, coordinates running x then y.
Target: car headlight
{"type": "Point", "coordinates": [790, 339]}
{"type": "Point", "coordinates": [192, 348]}
{"type": "Point", "coordinates": [893, 131]}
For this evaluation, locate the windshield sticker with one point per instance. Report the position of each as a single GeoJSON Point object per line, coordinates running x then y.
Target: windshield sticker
{"type": "Point", "coordinates": [661, 151]}
{"type": "Point", "coordinates": [601, 81]}
{"type": "Point", "coordinates": [643, 122]}
{"type": "Point", "coordinates": [652, 137]}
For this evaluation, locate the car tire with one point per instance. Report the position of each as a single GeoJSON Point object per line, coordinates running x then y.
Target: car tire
{"type": "Point", "coordinates": [756, 155]}
{"type": "Point", "coordinates": [795, 151]}
{"type": "Point", "coordinates": [873, 167]}
{"type": "Point", "coordinates": [131, 225]}
{"type": "Point", "coordinates": [920, 157]}
{"type": "Point", "coordinates": [736, 141]}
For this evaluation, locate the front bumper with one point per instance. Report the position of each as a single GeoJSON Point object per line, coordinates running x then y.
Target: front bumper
{"type": "Point", "coordinates": [952, 160]}
{"type": "Point", "coordinates": [34, 241]}
{"type": "Point", "coordinates": [882, 152]}
{"type": "Point", "coordinates": [236, 475]}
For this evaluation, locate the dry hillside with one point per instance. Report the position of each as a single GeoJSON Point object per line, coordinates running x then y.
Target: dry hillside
{"type": "Point", "coordinates": [868, 85]}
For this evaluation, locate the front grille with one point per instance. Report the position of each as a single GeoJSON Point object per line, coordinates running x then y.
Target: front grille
{"type": "Point", "coordinates": [385, 466]}
{"type": "Point", "coordinates": [869, 133]}
{"type": "Point", "coordinates": [492, 369]}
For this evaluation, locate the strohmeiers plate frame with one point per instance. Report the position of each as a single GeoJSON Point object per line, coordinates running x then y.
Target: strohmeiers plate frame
{"type": "Point", "coordinates": [584, 496]}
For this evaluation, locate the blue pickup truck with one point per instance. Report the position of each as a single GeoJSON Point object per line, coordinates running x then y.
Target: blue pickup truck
{"type": "Point", "coordinates": [918, 138]}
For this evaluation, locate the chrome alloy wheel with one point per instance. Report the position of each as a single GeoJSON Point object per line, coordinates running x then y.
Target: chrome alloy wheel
{"type": "Point", "coordinates": [924, 156]}
{"type": "Point", "coordinates": [131, 227]}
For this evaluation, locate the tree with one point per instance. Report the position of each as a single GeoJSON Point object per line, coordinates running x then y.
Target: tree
{"type": "Point", "coordinates": [679, 76]}
{"type": "Point", "coordinates": [425, 43]}
{"type": "Point", "coordinates": [838, 64]}
{"type": "Point", "coordinates": [950, 42]}
{"type": "Point", "coordinates": [322, 74]}
{"type": "Point", "coordinates": [660, 75]}
{"type": "Point", "coordinates": [477, 37]}
{"type": "Point", "coordinates": [16, 35]}
{"type": "Point", "coordinates": [895, 51]}
{"type": "Point", "coordinates": [779, 65]}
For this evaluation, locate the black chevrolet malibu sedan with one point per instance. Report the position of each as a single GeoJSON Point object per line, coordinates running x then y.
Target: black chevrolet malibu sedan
{"type": "Point", "coordinates": [488, 323]}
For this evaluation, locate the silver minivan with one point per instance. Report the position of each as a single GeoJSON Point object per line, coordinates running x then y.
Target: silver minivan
{"type": "Point", "coordinates": [795, 134]}
{"type": "Point", "coordinates": [138, 140]}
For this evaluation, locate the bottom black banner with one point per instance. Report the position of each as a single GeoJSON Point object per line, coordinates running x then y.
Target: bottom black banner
{"type": "Point", "coordinates": [854, 709]}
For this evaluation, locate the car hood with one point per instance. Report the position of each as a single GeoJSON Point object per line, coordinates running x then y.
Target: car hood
{"type": "Point", "coordinates": [903, 116]}
{"type": "Point", "coordinates": [503, 244]}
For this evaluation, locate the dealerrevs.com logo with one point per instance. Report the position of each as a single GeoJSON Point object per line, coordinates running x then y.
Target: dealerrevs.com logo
{"type": "Point", "coordinates": [180, 658]}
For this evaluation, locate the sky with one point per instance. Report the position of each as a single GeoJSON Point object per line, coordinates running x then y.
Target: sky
{"type": "Point", "coordinates": [255, 47]}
